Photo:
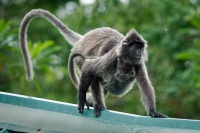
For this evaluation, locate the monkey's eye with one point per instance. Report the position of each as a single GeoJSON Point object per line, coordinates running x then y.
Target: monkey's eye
{"type": "Point", "coordinates": [139, 44]}
{"type": "Point", "coordinates": [124, 42]}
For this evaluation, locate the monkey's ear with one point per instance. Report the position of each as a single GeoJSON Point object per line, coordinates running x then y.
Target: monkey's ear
{"type": "Point", "coordinates": [124, 42]}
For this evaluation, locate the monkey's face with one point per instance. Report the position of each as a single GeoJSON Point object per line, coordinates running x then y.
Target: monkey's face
{"type": "Point", "coordinates": [134, 47]}
{"type": "Point", "coordinates": [133, 50]}
{"type": "Point", "coordinates": [124, 70]}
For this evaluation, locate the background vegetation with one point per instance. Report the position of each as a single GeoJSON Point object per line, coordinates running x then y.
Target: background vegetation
{"type": "Point", "coordinates": [171, 28]}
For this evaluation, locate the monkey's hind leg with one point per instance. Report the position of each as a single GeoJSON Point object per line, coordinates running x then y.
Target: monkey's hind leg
{"type": "Point", "coordinates": [98, 97]}
{"type": "Point", "coordinates": [85, 81]}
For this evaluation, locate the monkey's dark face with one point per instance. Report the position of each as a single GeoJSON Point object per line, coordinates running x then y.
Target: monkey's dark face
{"type": "Point", "coordinates": [133, 51]}
{"type": "Point", "coordinates": [133, 48]}
{"type": "Point", "coordinates": [124, 70]}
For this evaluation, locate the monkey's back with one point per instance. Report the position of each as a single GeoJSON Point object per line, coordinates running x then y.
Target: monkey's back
{"type": "Point", "coordinates": [99, 41]}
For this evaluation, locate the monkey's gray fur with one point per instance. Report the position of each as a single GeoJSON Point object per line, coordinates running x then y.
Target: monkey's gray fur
{"type": "Point", "coordinates": [107, 61]}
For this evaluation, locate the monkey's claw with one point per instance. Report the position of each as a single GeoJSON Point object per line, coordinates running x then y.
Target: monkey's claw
{"type": "Point", "coordinates": [97, 109]}
{"type": "Point", "coordinates": [157, 115]}
{"type": "Point", "coordinates": [82, 102]}
{"type": "Point", "coordinates": [81, 107]}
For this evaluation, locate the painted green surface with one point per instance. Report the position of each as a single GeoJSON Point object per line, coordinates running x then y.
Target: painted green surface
{"type": "Point", "coordinates": [30, 114]}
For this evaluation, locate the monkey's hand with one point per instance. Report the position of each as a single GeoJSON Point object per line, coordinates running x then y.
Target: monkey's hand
{"type": "Point", "coordinates": [97, 109]}
{"type": "Point", "coordinates": [155, 114]}
{"type": "Point", "coordinates": [82, 101]}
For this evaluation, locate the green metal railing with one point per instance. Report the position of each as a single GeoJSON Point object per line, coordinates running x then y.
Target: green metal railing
{"type": "Point", "coordinates": [29, 114]}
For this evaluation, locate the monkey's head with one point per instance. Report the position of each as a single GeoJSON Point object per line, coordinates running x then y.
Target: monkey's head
{"type": "Point", "coordinates": [133, 48]}
{"type": "Point", "coordinates": [131, 53]}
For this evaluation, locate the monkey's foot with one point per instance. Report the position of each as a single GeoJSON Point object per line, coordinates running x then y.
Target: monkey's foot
{"type": "Point", "coordinates": [97, 109]}
{"type": "Point", "coordinates": [157, 115]}
{"type": "Point", "coordinates": [82, 102]}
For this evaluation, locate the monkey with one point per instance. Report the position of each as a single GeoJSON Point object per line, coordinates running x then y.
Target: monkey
{"type": "Point", "coordinates": [117, 65]}
{"type": "Point", "coordinates": [108, 62]}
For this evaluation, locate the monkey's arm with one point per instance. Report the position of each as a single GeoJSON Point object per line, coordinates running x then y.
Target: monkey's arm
{"type": "Point", "coordinates": [147, 92]}
{"type": "Point", "coordinates": [72, 70]}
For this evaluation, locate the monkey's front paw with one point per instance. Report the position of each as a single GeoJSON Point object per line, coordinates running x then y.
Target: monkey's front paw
{"type": "Point", "coordinates": [157, 115]}
{"type": "Point", "coordinates": [97, 109]}
{"type": "Point", "coordinates": [82, 102]}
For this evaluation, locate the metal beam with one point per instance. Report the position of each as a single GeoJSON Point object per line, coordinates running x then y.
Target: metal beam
{"type": "Point", "coordinates": [30, 114]}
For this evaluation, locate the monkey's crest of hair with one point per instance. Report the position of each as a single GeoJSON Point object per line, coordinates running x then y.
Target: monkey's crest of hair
{"type": "Point", "coordinates": [134, 35]}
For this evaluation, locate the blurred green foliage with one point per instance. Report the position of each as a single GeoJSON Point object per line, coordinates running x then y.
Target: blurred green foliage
{"type": "Point", "coordinates": [171, 28]}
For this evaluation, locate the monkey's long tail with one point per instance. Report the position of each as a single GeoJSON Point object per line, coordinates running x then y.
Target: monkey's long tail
{"type": "Point", "coordinates": [71, 36]}
{"type": "Point", "coordinates": [71, 69]}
